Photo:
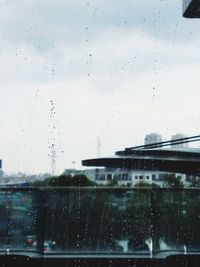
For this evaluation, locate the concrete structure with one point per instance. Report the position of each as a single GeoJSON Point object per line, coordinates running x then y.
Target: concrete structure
{"type": "Point", "coordinates": [191, 8]}
{"type": "Point", "coordinates": [149, 163]}
{"type": "Point", "coordinates": [185, 161]}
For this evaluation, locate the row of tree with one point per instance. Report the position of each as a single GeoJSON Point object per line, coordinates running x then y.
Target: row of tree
{"type": "Point", "coordinates": [65, 180]}
{"type": "Point", "coordinates": [170, 180]}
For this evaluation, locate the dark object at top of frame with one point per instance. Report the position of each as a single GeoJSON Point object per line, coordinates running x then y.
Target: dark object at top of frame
{"type": "Point", "coordinates": [191, 8]}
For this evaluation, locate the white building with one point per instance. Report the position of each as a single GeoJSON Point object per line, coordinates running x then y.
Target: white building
{"type": "Point", "coordinates": [123, 177]}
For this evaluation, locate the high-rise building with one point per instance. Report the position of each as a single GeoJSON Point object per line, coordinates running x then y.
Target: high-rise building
{"type": "Point", "coordinates": [179, 136]}
{"type": "Point", "coordinates": [152, 138]}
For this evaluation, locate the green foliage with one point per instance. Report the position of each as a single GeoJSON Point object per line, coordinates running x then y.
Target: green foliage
{"type": "Point", "coordinates": [37, 183]}
{"type": "Point", "coordinates": [173, 181]}
{"type": "Point", "coordinates": [82, 180]}
{"type": "Point", "coordinates": [143, 184]}
{"type": "Point", "coordinates": [195, 182]}
{"type": "Point", "coordinates": [4, 212]}
{"type": "Point", "coordinates": [68, 180]}
{"type": "Point", "coordinates": [113, 182]}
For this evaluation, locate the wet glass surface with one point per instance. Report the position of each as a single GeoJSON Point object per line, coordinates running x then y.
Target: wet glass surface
{"type": "Point", "coordinates": [18, 219]}
{"type": "Point", "coordinates": [176, 220]}
{"type": "Point", "coordinates": [82, 79]}
{"type": "Point", "coordinates": [100, 221]}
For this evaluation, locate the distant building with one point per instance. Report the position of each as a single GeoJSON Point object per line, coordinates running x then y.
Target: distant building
{"type": "Point", "coordinates": [179, 136]}
{"type": "Point", "coordinates": [71, 172]}
{"type": "Point", "coordinates": [122, 176]}
{"type": "Point", "coordinates": [152, 138]}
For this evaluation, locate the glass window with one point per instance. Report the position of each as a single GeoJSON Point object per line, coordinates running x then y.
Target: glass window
{"type": "Point", "coordinates": [94, 93]}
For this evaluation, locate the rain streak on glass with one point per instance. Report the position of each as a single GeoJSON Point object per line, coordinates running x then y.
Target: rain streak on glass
{"type": "Point", "coordinates": [100, 128]}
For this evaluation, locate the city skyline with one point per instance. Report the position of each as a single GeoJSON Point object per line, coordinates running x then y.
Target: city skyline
{"type": "Point", "coordinates": [73, 71]}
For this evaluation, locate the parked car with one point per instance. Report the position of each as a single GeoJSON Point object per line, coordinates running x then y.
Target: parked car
{"type": "Point", "coordinates": [30, 240]}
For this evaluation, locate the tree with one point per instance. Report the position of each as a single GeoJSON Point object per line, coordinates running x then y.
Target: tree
{"type": "Point", "coordinates": [68, 180]}
{"type": "Point", "coordinates": [82, 180]}
{"type": "Point", "coordinates": [113, 182]}
{"type": "Point", "coordinates": [171, 180]}
{"type": "Point", "coordinates": [195, 182]}
{"type": "Point", "coordinates": [146, 184]}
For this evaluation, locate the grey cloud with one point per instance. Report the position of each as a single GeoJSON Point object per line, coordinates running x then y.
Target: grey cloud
{"type": "Point", "coordinates": [44, 24]}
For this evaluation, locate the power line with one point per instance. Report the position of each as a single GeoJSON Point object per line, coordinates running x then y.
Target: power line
{"type": "Point", "coordinates": [184, 140]}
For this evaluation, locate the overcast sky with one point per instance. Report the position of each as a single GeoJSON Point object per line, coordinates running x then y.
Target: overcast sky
{"type": "Point", "coordinates": [73, 71]}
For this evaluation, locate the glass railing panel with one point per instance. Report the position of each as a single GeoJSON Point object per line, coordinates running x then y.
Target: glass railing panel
{"type": "Point", "coordinates": [168, 220]}
{"type": "Point", "coordinates": [98, 221]}
{"type": "Point", "coordinates": [191, 214]}
{"type": "Point", "coordinates": [18, 220]}
{"type": "Point", "coordinates": [176, 220]}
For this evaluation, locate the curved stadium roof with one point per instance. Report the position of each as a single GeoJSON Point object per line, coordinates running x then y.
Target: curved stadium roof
{"type": "Point", "coordinates": [157, 158]}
